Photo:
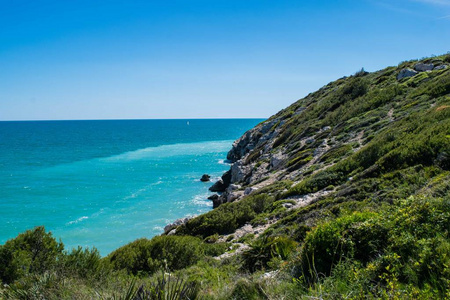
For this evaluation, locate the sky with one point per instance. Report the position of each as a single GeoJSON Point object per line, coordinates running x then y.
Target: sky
{"type": "Point", "coordinates": [87, 59]}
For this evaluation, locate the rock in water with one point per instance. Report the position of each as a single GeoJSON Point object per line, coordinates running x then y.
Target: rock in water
{"type": "Point", "coordinates": [406, 73]}
{"type": "Point", "coordinates": [205, 177]}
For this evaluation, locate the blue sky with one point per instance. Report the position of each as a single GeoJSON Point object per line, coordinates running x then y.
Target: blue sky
{"type": "Point", "coordinates": [198, 58]}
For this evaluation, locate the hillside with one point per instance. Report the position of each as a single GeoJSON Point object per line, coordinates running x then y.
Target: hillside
{"type": "Point", "coordinates": [343, 194]}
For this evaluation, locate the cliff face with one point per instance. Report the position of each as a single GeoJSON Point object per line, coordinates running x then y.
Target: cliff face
{"type": "Point", "coordinates": [338, 122]}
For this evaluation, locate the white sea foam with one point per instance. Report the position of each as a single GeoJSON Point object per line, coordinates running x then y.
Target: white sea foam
{"type": "Point", "coordinates": [201, 200]}
{"type": "Point", "coordinates": [171, 150]}
{"type": "Point", "coordinates": [77, 220]}
{"type": "Point", "coordinates": [224, 162]}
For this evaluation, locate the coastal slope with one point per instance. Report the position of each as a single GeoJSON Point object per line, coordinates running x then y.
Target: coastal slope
{"type": "Point", "coordinates": [343, 194]}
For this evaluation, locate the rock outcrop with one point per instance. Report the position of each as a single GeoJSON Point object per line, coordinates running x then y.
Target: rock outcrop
{"type": "Point", "coordinates": [406, 73]}
{"type": "Point", "coordinates": [421, 67]}
{"type": "Point", "coordinates": [170, 227]}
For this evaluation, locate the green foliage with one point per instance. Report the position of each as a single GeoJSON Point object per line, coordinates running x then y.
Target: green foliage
{"type": "Point", "coordinates": [166, 288]}
{"type": "Point", "coordinates": [405, 244]}
{"type": "Point", "coordinates": [246, 289]}
{"type": "Point", "coordinates": [32, 252]}
{"type": "Point", "coordinates": [265, 249]}
{"type": "Point", "coordinates": [161, 252]}
{"type": "Point", "coordinates": [316, 183]}
{"type": "Point", "coordinates": [85, 263]}
{"type": "Point", "coordinates": [331, 242]}
{"type": "Point", "coordinates": [228, 217]}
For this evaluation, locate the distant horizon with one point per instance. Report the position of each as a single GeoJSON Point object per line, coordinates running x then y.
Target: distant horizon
{"type": "Point", "coordinates": [155, 119]}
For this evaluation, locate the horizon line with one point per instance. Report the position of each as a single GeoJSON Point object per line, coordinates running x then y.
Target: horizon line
{"type": "Point", "coordinates": [126, 119]}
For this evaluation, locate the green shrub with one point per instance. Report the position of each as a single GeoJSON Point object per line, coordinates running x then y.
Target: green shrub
{"type": "Point", "coordinates": [161, 252]}
{"type": "Point", "coordinates": [228, 217]}
{"type": "Point", "coordinates": [85, 263]}
{"type": "Point", "coordinates": [32, 252]}
{"type": "Point", "coordinates": [266, 248]}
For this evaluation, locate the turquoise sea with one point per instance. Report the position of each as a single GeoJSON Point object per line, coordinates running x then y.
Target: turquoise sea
{"type": "Point", "coordinates": [106, 183]}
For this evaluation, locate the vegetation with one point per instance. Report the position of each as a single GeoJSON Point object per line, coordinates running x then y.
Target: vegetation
{"type": "Point", "coordinates": [373, 154]}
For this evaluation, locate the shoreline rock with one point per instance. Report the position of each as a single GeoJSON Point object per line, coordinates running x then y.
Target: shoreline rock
{"type": "Point", "coordinates": [205, 178]}
{"type": "Point", "coordinates": [169, 227]}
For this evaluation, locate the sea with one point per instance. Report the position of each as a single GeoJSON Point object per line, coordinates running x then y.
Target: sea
{"type": "Point", "coordinates": [106, 183]}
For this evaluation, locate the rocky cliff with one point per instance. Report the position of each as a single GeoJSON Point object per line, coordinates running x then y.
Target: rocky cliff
{"type": "Point", "coordinates": [329, 125]}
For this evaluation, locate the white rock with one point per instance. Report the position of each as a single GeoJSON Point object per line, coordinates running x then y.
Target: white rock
{"type": "Point", "coordinates": [238, 172]}
{"type": "Point", "coordinates": [441, 67]}
{"type": "Point", "coordinates": [249, 190]}
{"type": "Point", "coordinates": [234, 195]}
{"type": "Point", "coordinates": [276, 160]}
{"type": "Point", "coordinates": [168, 228]}
{"type": "Point", "coordinates": [406, 73]}
{"type": "Point", "coordinates": [421, 67]}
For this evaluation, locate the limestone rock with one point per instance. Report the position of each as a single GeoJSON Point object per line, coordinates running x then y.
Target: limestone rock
{"type": "Point", "coordinates": [217, 202]}
{"type": "Point", "coordinates": [234, 195]}
{"type": "Point", "coordinates": [226, 178]}
{"type": "Point", "coordinates": [233, 187]}
{"type": "Point", "coordinates": [277, 160]}
{"type": "Point", "coordinates": [406, 73]}
{"type": "Point", "coordinates": [213, 197]}
{"type": "Point", "coordinates": [249, 190]}
{"type": "Point", "coordinates": [238, 172]}
{"type": "Point", "coordinates": [168, 228]}
{"type": "Point", "coordinates": [441, 67]}
{"type": "Point", "coordinates": [421, 67]}
{"type": "Point", "coordinates": [219, 186]}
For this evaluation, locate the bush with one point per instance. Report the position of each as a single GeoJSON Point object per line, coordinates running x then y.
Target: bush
{"type": "Point", "coordinates": [32, 252]}
{"type": "Point", "coordinates": [228, 217]}
{"type": "Point", "coordinates": [162, 252]}
{"type": "Point", "coordinates": [407, 243]}
{"type": "Point", "coordinates": [265, 249]}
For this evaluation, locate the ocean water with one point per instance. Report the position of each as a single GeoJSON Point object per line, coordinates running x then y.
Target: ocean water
{"type": "Point", "coordinates": [106, 183]}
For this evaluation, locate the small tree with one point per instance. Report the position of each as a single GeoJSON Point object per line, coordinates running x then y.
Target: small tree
{"type": "Point", "coordinates": [32, 252]}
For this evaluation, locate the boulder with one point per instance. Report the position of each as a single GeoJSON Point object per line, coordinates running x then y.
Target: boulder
{"type": "Point", "coordinates": [213, 197]}
{"type": "Point", "coordinates": [234, 196]}
{"type": "Point", "coordinates": [226, 178]}
{"type": "Point", "coordinates": [277, 160]}
{"type": "Point", "coordinates": [441, 67]}
{"type": "Point", "coordinates": [218, 201]}
{"type": "Point", "coordinates": [421, 67]}
{"type": "Point", "coordinates": [233, 187]}
{"type": "Point", "coordinates": [238, 172]}
{"type": "Point", "coordinates": [406, 73]}
{"type": "Point", "coordinates": [249, 190]}
{"type": "Point", "coordinates": [219, 186]}
{"type": "Point", "coordinates": [168, 228]}
{"type": "Point", "coordinates": [205, 177]}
